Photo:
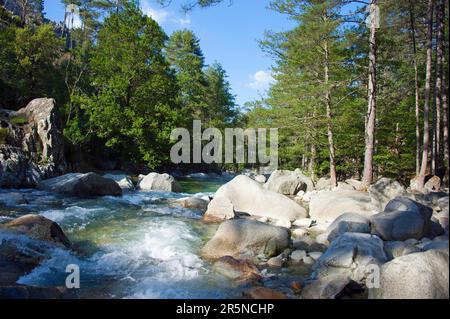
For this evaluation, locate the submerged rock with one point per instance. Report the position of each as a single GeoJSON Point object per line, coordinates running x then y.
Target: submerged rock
{"type": "Point", "coordinates": [38, 227]}
{"type": "Point", "coordinates": [32, 292]}
{"type": "Point", "coordinates": [328, 287]}
{"type": "Point", "coordinates": [81, 185]}
{"type": "Point", "coordinates": [159, 182]}
{"type": "Point", "coordinates": [240, 270]}
{"type": "Point", "coordinates": [193, 203]}
{"type": "Point", "coordinates": [240, 238]}
{"type": "Point", "coordinates": [263, 293]}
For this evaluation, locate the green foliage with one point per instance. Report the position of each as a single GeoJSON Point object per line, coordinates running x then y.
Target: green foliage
{"type": "Point", "coordinates": [186, 57]}
{"type": "Point", "coordinates": [3, 135]}
{"type": "Point", "coordinates": [221, 107]}
{"type": "Point", "coordinates": [29, 63]}
{"type": "Point", "coordinates": [18, 120]}
{"type": "Point", "coordinates": [132, 108]}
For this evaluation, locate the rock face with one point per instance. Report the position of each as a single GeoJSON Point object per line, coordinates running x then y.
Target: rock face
{"type": "Point", "coordinates": [193, 203]}
{"type": "Point", "coordinates": [383, 191]}
{"type": "Point", "coordinates": [328, 205]}
{"type": "Point", "coordinates": [245, 238]}
{"type": "Point", "coordinates": [285, 182]}
{"type": "Point", "coordinates": [82, 185]}
{"type": "Point", "coordinates": [240, 270]}
{"type": "Point", "coordinates": [415, 276]}
{"type": "Point", "coordinates": [348, 223]}
{"type": "Point", "coordinates": [402, 219]}
{"type": "Point", "coordinates": [33, 148]}
{"type": "Point", "coordinates": [16, 169]}
{"type": "Point", "coordinates": [38, 227]}
{"type": "Point", "coordinates": [351, 253]}
{"type": "Point", "coordinates": [159, 182]}
{"type": "Point", "coordinates": [248, 196]}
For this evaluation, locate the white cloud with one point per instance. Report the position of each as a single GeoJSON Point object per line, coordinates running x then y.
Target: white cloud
{"type": "Point", "coordinates": [162, 16]}
{"type": "Point", "coordinates": [184, 21]}
{"type": "Point", "coordinates": [261, 80]}
{"type": "Point", "coordinates": [159, 15]}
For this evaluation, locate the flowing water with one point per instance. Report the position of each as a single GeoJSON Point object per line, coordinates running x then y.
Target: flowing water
{"type": "Point", "coordinates": [138, 245]}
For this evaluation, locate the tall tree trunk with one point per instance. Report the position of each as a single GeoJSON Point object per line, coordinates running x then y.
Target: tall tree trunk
{"type": "Point", "coordinates": [312, 162]}
{"type": "Point", "coordinates": [416, 84]}
{"type": "Point", "coordinates": [372, 100]}
{"type": "Point", "coordinates": [444, 96]}
{"type": "Point", "coordinates": [426, 108]}
{"type": "Point", "coordinates": [333, 177]}
{"type": "Point", "coordinates": [438, 87]}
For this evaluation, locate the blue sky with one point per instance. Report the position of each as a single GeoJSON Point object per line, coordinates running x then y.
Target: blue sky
{"type": "Point", "coordinates": [228, 34]}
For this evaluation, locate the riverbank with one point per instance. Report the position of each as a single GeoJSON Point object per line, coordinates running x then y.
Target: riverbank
{"type": "Point", "coordinates": [153, 244]}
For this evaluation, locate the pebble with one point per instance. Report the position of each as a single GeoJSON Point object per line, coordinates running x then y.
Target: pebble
{"type": "Point", "coordinates": [275, 262]}
{"type": "Point", "coordinates": [298, 255]}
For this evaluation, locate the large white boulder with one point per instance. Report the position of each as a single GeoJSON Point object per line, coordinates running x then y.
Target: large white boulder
{"type": "Point", "coordinates": [285, 182]}
{"type": "Point", "coordinates": [82, 185]}
{"type": "Point", "coordinates": [248, 196]}
{"type": "Point", "coordinates": [159, 182]}
{"type": "Point", "coordinates": [242, 238]}
{"type": "Point", "coordinates": [384, 190]}
{"type": "Point", "coordinates": [415, 276]}
{"type": "Point", "coordinates": [326, 206]}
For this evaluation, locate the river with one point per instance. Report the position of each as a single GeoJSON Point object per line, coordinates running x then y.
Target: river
{"type": "Point", "coordinates": [138, 245]}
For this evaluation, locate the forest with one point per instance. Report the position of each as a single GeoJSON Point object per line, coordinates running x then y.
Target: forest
{"type": "Point", "coordinates": [351, 98]}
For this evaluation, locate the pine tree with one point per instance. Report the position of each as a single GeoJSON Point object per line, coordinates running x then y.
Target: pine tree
{"type": "Point", "coordinates": [186, 57]}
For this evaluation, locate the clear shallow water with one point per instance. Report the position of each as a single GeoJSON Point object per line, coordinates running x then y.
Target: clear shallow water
{"type": "Point", "coordinates": [138, 245]}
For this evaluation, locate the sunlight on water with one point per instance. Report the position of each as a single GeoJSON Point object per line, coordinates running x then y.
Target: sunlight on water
{"type": "Point", "coordinates": [139, 245]}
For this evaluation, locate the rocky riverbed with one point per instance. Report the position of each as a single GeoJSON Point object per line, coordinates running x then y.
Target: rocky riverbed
{"type": "Point", "coordinates": [165, 238]}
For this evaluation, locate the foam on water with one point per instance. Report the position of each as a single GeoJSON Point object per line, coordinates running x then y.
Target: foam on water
{"type": "Point", "coordinates": [139, 245]}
